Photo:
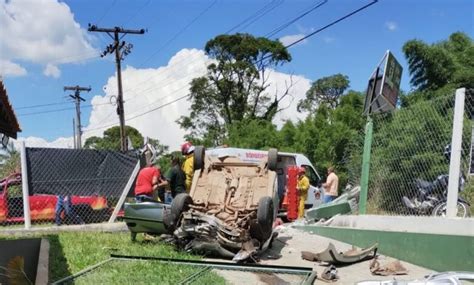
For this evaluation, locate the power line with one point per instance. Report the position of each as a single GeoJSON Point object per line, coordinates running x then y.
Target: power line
{"type": "Point", "coordinates": [333, 23]}
{"type": "Point", "coordinates": [263, 14]}
{"type": "Point", "coordinates": [258, 13]}
{"type": "Point", "coordinates": [59, 110]}
{"type": "Point", "coordinates": [287, 24]}
{"type": "Point", "coordinates": [180, 32]}
{"type": "Point", "coordinates": [41, 105]}
{"type": "Point", "coordinates": [137, 12]}
{"type": "Point", "coordinates": [106, 12]}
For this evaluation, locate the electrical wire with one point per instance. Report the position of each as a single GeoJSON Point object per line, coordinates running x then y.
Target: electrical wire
{"type": "Point", "coordinates": [249, 18]}
{"type": "Point", "coordinates": [106, 11]}
{"type": "Point", "coordinates": [41, 105]}
{"type": "Point", "coordinates": [333, 23]}
{"type": "Point", "coordinates": [179, 32]}
{"type": "Point", "coordinates": [59, 110]}
{"type": "Point", "coordinates": [263, 14]}
{"type": "Point", "coordinates": [137, 12]}
{"type": "Point", "coordinates": [287, 24]}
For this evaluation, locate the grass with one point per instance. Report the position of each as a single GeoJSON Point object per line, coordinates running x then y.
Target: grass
{"type": "Point", "coordinates": [73, 251]}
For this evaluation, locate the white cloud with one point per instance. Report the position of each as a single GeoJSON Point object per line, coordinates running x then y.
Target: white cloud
{"type": "Point", "coordinates": [42, 32]}
{"type": "Point", "coordinates": [60, 142]}
{"type": "Point", "coordinates": [8, 68]}
{"type": "Point", "coordinates": [286, 40]}
{"type": "Point", "coordinates": [52, 70]}
{"type": "Point", "coordinates": [146, 89]}
{"type": "Point", "coordinates": [391, 26]}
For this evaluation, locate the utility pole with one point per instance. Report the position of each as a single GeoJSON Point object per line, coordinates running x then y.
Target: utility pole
{"type": "Point", "coordinates": [121, 49]}
{"type": "Point", "coordinates": [74, 132]}
{"type": "Point", "coordinates": [77, 98]}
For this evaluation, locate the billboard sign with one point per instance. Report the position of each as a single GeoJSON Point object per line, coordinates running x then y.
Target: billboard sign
{"type": "Point", "coordinates": [384, 86]}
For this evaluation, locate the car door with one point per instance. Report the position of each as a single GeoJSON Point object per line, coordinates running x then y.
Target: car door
{"type": "Point", "coordinates": [315, 192]}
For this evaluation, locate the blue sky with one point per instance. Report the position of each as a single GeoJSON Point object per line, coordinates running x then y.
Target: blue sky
{"type": "Point", "coordinates": [352, 47]}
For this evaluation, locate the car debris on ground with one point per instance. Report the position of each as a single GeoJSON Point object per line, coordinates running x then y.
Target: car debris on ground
{"type": "Point", "coordinates": [332, 256]}
{"type": "Point", "coordinates": [392, 268]}
{"type": "Point", "coordinates": [330, 274]}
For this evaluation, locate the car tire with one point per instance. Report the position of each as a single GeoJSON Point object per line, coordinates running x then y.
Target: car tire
{"type": "Point", "coordinates": [272, 159]}
{"type": "Point", "coordinates": [262, 230]}
{"type": "Point", "coordinates": [199, 155]}
{"type": "Point", "coordinates": [179, 205]}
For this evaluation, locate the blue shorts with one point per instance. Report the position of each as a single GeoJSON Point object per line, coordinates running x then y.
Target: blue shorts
{"type": "Point", "coordinates": [328, 198]}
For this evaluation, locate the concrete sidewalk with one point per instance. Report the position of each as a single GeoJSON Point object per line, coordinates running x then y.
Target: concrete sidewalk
{"type": "Point", "coordinates": [287, 249]}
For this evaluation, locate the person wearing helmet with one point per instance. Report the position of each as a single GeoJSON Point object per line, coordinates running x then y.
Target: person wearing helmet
{"type": "Point", "coordinates": [187, 149]}
{"type": "Point", "coordinates": [302, 187]}
{"type": "Point", "coordinates": [331, 186]}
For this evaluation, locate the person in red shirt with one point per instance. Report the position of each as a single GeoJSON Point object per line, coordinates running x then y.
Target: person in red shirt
{"type": "Point", "coordinates": [148, 180]}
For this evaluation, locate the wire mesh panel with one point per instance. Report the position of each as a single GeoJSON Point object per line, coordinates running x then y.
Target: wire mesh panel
{"type": "Point", "coordinates": [121, 271]}
{"type": "Point", "coordinates": [410, 158]}
{"type": "Point", "coordinates": [67, 186]}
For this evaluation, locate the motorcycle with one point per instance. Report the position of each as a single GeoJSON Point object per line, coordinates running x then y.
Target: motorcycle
{"type": "Point", "coordinates": [431, 197]}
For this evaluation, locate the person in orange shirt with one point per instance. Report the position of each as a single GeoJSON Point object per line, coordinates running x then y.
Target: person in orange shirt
{"type": "Point", "coordinates": [331, 186]}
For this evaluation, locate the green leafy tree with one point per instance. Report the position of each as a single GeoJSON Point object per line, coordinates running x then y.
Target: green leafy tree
{"type": "Point", "coordinates": [435, 66]}
{"type": "Point", "coordinates": [254, 134]}
{"type": "Point", "coordinates": [9, 160]}
{"type": "Point", "coordinates": [235, 87]}
{"type": "Point", "coordinates": [326, 90]}
{"type": "Point", "coordinates": [111, 139]}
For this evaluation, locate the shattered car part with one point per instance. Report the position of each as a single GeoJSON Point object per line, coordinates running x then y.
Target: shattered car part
{"type": "Point", "coordinates": [392, 268]}
{"type": "Point", "coordinates": [330, 274]}
{"type": "Point", "coordinates": [232, 203]}
{"type": "Point", "coordinates": [332, 256]}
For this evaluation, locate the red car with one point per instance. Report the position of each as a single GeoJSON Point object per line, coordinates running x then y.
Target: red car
{"type": "Point", "coordinates": [42, 206]}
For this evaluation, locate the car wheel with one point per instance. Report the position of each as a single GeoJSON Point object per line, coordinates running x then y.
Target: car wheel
{"type": "Point", "coordinates": [262, 230]}
{"type": "Point", "coordinates": [179, 205]}
{"type": "Point", "coordinates": [272, 159]}
{"type": "Point", "coordinates": [199, 155]}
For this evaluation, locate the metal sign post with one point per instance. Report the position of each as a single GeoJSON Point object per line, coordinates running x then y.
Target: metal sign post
{"type": "Point", "coordinates": [382, 96]}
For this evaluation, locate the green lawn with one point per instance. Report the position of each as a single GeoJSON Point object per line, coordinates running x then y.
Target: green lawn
{"type": "Point", "coordinates": [72, 252]}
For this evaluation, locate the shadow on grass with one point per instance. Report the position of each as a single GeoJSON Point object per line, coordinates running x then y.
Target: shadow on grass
{"type": "Point", "coordinates": [58, 265]}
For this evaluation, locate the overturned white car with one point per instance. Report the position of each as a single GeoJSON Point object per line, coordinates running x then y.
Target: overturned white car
{"type": "Point", "coordinates": [231, 207]}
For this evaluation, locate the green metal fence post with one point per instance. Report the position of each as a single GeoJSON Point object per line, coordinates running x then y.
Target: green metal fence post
{"type": "Point", "coordinates": [365, 167]}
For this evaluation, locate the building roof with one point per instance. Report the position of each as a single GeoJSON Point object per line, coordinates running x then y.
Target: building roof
{"type": "Point", "coordinates": [8, 122]}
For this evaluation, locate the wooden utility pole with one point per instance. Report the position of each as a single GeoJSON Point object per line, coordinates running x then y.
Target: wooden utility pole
{"type": "Point", "coordinates": [121, 49]}
{"type": "Point", "coordinates": [77, 99]}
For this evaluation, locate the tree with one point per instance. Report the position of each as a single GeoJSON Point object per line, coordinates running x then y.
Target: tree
{"type": "Point", "coordinates": [111, 139]}
{"type": "Point", "coordinates": [235, 87]}
{"type": "Point", "coordinates": [9, 160]}
{"type": "Point", "coordinates": [434, 66]}
{"type": "Point", "coordinates": [326, 90]}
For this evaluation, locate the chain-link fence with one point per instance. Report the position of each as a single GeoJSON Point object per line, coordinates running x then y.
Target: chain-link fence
{"type": "Point", "coordinates": [66, 186]}
{"type": "Point", "coordinates": [157, 272]}
{"type": "Point", "coordinates": [410, 158]}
